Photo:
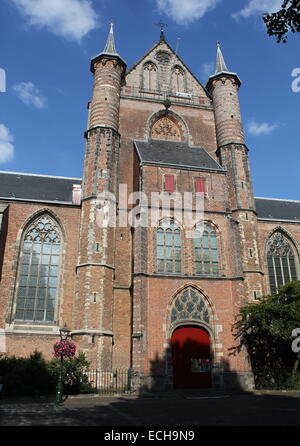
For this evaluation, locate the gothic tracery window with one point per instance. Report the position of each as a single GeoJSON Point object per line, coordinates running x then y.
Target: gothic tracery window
{"type": "Point", "coordinates": [150, 76]}
{"type": "Point", "coordinates": [167, 129]}
{"type": "Point", "coordinates": [281, 259]}
{"type": "Point", "coordinates": [39, 272]}
{"type": "Point", "coordinates": [189, 306]}
{"type": "Point", "coordinates": [168, 248]}
{"type": "Point", "coordinates": [178, 80]}
{"type": "Point", "coordinates": [206, 251]}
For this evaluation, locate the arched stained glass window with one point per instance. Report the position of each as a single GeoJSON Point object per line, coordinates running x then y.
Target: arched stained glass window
{"type": "Point", "coordinates": [190, 306]}
{"type": "Point", "coordinates": [168, 248]}
{"type": "Point", "coordinates": [281, 260]}
{"type": "Point", "coordinates": [206, 251]}
{"type": "Point", "coordinates": [39, 272]}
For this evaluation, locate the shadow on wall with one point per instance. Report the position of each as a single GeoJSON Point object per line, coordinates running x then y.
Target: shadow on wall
{"type": "Point", "coordinates": [192, 366]}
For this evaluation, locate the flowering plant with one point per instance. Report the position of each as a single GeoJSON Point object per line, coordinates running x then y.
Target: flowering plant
{"type": "Point", "coordinates": [66, 349]}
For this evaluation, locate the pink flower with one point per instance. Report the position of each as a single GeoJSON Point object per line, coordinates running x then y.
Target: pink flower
{"type": "Point", "coordinates": [65, 348]}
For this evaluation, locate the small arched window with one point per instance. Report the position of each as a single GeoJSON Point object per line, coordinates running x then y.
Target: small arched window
{"type": "Point", "coordinates": [39, 272]}
{"type": "Point", "coordinates": [282, 261]}
{"type": "Point", "coordinates": [150, 76]}
{"type": "Point", "coordinates": [168, 248]}
{"type": "Point", "coordinates": [178, 80]}
{"type": "Point", "coordinates": [206, 251]}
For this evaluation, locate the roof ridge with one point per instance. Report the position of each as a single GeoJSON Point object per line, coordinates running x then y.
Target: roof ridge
{"type": "Point", "coordinates": [38, 175]}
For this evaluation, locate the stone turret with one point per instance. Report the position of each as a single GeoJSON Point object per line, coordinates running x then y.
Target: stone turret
{"type": "Point", "coordinates": [93, 315]}
{"type": "Point", "coordinates": [233, 155]}
{"type": "Point", "coordinates": [108, 69]}
{"type": "Point", "coordinates": [224, 86]}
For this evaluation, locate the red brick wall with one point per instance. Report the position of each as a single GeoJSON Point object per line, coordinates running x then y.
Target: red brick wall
{"type": "Point", "coordinates": [19, 214]}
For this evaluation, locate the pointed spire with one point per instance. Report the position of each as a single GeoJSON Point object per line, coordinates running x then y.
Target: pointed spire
{"type": "Point", "coordinates": [109, 50]}
{"type": "Point", "coordinates": [220, 62]}
{"type": "Point", "coordinates": [110, 44]}
{"type": "Point", "coordinates": [221, 69]}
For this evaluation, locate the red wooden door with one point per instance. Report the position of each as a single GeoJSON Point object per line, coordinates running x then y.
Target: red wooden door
{"type": "Point", "coordinates": [191, 358]}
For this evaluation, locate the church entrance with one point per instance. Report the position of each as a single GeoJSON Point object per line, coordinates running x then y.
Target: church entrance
{"type": "Point", "coordinates": [191, 358]}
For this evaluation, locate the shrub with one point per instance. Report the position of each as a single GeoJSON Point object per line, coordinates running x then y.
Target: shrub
{"type": "Point", "coordinates": [36, 376]}
{"type": "Point", "coordinates": [73, 371]}
{"type": "Point", "coordinates": [26, 376]}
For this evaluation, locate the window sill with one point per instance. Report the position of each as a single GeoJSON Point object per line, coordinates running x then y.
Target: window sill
{"type": "Point", "coordinates": [32, 328]}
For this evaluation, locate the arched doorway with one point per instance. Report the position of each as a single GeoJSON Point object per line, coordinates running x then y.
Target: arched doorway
{"type": "Point", "coordinates": [191, 357]}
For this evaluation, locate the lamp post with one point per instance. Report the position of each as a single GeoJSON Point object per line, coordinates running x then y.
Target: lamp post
{"type": "Point", "coordinates": [64, 334]}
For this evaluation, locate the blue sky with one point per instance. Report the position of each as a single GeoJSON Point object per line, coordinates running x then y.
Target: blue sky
{"type": "Point", "coordinates": [46, 47]}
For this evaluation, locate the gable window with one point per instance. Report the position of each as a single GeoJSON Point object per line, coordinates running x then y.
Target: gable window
{"type": "Point", "coordinates": [39, 272]}
{"type": "Point", "coordinates": [281, 259]}
{"type": "Point", "coordinates": [168, 248]}
{"type": "Point", "coordinates": [150, 76]}
{"type": "Point", "coordinates": [178, 80]}
{"type": "Point", "coordinates": [206, 251]}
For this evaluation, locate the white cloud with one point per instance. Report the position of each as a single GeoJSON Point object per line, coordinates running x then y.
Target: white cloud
{"type": "Point", "coordinates": [207, 69]}
{"type": "Point", "coordinates": [71, 19]}
{"type": "Point", "coordinates": [30, 94]}
{"type": "Point", "coordinates": [186, 11]}
{"type": "Point", "coordinates": [255, 7]}
{"type": "Point", "coordinates": [6, 146]}
{"type": "Point", "coordinates": [255, 128]}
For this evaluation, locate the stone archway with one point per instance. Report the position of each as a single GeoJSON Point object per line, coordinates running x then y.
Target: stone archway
{"type": "Point", "coordinates": [191, 336]}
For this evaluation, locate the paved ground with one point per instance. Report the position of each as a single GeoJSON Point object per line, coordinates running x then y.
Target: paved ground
{"type": "Point", "coordinates": [189, 408]}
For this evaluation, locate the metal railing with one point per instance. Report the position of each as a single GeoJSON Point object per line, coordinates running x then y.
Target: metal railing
{"type": "Point", "coordinates": [114, 381]}
{"type": "Point", "coordinates": [178, 97]}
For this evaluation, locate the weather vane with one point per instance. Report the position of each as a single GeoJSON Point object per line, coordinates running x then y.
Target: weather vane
{"type": "Point", "coordinates": [162, 25]}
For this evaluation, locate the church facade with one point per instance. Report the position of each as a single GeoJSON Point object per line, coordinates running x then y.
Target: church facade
{"type": "Point", "coordinates": [153, 296]}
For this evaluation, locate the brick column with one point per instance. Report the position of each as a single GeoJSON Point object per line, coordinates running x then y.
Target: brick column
{"type": "Point", "coordinates": [93, 309]}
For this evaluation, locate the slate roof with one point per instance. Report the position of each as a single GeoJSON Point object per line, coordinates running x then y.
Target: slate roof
{"type": "Point", "coordinates": [276, 209]}
{"type": "Point", "coordinates": [175, 154]}
{"type": "Point", "coordinates": [50, 189]}
{"type": "Point", "coordinates": [41, 188]}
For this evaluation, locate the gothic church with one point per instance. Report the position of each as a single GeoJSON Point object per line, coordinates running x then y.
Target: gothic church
{"type": "Point", "coordinates": [147, 298]}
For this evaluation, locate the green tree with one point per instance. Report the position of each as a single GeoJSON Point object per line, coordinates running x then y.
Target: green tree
{"type": "Point", "coordinates": [286, 19]}
{"type": "Point", "coordinates": [265, 328]}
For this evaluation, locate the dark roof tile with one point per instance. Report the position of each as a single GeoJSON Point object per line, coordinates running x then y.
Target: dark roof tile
{"type": "Point", "coordinates": [275, 209]}
{"type": "Point", "coordinates": [177, 154]}
{"type": "Point", "coordinates": [36, 187]}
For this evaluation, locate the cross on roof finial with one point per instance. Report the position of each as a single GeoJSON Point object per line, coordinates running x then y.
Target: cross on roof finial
{"type": "Point", "coordinates": [162, 25]}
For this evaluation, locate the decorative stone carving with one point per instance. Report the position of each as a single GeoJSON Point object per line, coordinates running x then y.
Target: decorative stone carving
{"type": "Point", "coordinates": [163, 56]}
{"type": "Point", "coordinates": [189, 306]}
{"type": "Point", "coordinates": [278, 246]}
{"type": "Point", "coordinates": [167, 129]}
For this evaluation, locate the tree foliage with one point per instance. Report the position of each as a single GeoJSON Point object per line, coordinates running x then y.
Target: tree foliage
{"type": "Point", "coordinates": [265, 328]}
{"type": "Point", "coordinates": [286, 19]}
